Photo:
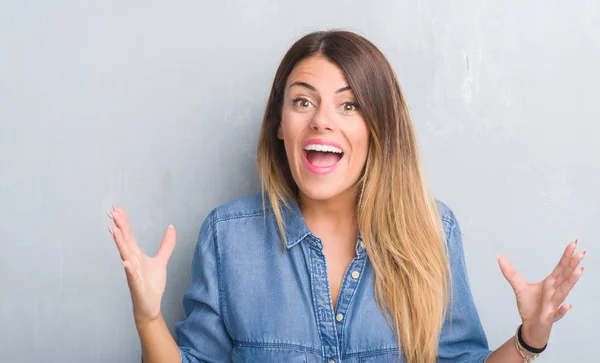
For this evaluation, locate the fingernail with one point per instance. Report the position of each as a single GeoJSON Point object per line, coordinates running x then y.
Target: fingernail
{"type": "Point", "coordinates": [171, 226]}
{"type": "Point", "coordinates": [114, 207]}
{"type": "Point", "coordinates": [584, 252]}
{"type": "Point", "coordinates": [576, 241]}
{"type": "Point", "coordinates": [110, 215]}
{"type": "Point", "coordinates": [110, 230]}
{"type": "Point", "coordinates": [124, 263]}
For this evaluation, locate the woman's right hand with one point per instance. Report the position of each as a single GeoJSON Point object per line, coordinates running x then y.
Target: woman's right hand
{"type": "Point", "coordinates": [146, 276]}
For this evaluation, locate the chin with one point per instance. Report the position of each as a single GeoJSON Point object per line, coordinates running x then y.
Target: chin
{"type": "Point", "coordinates": [320, 192]}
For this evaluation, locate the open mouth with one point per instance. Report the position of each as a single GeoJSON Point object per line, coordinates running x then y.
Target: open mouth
{"type": "Point", "coordinates": [322, 159]}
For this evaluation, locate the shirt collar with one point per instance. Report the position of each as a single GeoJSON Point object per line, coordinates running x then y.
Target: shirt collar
{"type": "Point", "coordinates": [295, 226]}
{"type": "Point", "coordinates": [296, 229]}
{"type": "Point", "coordinates": [360, 247]}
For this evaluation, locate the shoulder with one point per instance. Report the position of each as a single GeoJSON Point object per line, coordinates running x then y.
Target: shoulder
{"type": "Point", "coordinates": [239, 219]}
{"type": "Point", "coordinates": [452, 230]}
{"type": "Point", "coordinates": [446, 214]}
{"type": "Point", "coordinates": [249, 206]}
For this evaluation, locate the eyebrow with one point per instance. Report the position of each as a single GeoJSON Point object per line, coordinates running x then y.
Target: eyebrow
{"type": "Point", "coordinates": [312, 88]}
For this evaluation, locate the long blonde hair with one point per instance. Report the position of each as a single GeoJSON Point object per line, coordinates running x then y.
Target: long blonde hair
{"type": "Point", "coordinates": [397, 217]}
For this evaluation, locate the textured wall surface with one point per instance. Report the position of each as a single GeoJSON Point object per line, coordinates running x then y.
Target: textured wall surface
{"type": "Point", "coordinates": [156, 106]}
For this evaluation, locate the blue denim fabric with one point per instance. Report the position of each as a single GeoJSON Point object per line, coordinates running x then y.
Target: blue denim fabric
{"type": "Point", "coordinates": [252, 300]}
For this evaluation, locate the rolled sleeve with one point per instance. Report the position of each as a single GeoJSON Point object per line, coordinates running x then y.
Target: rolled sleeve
{"type": "Point", "coordinates": [202, 335]}
{"type": "Point", "coordinates": [462, 338]}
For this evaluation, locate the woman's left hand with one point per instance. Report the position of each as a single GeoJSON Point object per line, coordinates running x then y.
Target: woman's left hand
{"type": "Point", "coordinates": [540, 304]}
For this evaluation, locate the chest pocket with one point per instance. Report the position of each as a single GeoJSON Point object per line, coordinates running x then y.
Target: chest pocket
{"type": "Point", "coordinates": [264, 354]}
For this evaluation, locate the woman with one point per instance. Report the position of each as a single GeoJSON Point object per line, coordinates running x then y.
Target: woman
{"type": "Point", "coordinates": [344, 256]}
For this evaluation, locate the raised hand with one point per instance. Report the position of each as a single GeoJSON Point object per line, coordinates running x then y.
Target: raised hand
{"type": "Point", "coordinates": [541, 304]}
{"type": "Point", "coordinates": [146, 276]}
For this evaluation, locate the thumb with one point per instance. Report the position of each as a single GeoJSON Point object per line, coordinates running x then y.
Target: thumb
{"type": "Point", "coordinates": [516, 281]}
{"type": "Point", "coordinates": [167, 245]}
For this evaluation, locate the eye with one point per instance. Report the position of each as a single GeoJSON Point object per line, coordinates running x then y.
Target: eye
{"type": "Point", "coordinates": [301, 102]}
{"type": "Point", "coordinates": [350, 107]}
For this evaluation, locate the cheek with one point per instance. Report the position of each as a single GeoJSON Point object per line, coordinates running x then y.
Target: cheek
{"type": "Point", "coordinates": [290, 132]}
{"type": "Point", "coordinates": [292, 125]}
{"type": "Point", "coordinates": [361, 141]}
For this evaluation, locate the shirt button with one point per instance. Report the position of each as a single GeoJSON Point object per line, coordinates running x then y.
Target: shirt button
{"type": "Point", "coordinates": [339, 317]}
{"type": "Point", "coordinates": [355, 274]}
{"type": "Point", "coordinates": [362, 244]}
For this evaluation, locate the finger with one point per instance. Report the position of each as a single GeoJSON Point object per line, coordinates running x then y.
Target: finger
{"type": "Point", "coordinates": [563, 289]}
{"type": "Point", "coordinates": [564, 260]}
{"type": "Point", "coordinates": [122, 246]}
{"type": "Point", "coordinates": [516, 281]}
{"type": "Point", "coordinates": [573, 263]}
{"type": "Point", "coordinates": [560, 313]}
{"type": "Point", "coordinates": [122, 221]}
{"type": "Point", "coordinates": [167, 245]}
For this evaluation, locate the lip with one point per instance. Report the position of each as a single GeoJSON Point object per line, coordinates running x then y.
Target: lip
{"type": "Point", "coordinates": [317, 169]}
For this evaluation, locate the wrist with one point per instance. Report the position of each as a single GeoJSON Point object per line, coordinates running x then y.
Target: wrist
{"type": "Point", "coordinates": [536, 338]}
{"type": "Point", "coordinates": [145, 323]}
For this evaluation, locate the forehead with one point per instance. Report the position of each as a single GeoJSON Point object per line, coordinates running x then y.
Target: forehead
{"type": "Point", "coordinates": [319, 72]}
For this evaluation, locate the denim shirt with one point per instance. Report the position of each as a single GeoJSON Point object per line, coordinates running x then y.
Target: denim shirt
{"type": "Point", "coordinates": [252, 300]}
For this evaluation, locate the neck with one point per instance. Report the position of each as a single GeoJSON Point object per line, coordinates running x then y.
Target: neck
{"type": "Point", "coordinates": [333, 216]}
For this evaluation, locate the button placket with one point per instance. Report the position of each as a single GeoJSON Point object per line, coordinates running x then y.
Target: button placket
{"type": "Point", "coordinates": [322, 302]}
{"type": "Point", "coordinates": [347, 291]}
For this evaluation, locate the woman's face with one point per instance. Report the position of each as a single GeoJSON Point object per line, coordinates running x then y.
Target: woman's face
{"type": "Point", "coordinates": [324, 132]}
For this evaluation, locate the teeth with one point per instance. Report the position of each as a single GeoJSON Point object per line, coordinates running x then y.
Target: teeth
{"type": "Point", "coordinates": [325, 148]}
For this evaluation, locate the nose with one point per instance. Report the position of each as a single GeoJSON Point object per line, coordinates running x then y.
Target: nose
{"type": "Point", "coordinates": [321, 120]}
